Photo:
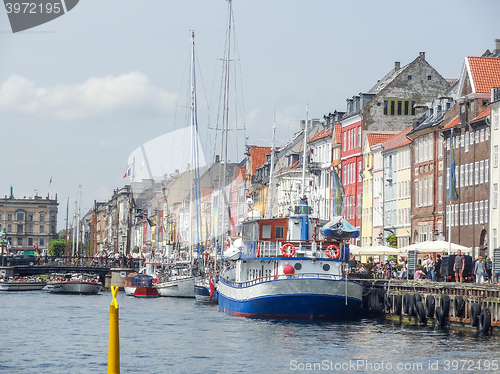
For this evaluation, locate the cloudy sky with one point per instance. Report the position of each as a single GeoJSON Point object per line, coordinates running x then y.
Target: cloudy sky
{"type": "Point", "coordinates": [80, 93]}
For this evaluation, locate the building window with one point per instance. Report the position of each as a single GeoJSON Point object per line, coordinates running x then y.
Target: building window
{"type": "Point", "coordinates": [19, 228]}
{"type": "Point", "coordinates": [9, 228]}
{"type": "Point", "coordinates": [486, 170]}
{"type": "Point", "coordinates": [30, 216]}
{"type": "Point", "coordinates": [461, 176]}
{"type": "Point", "coordinates": [495, 156]}
{"type": "Point", "coordinates": [409, 77]}
{"type": "Point", "coordinates": [30, 228]}
{"type": "Point", "coordinates": [486, 211]}
{"type": "Point", "coordinates": [386, 105]}
{"type": "Point", "coordinates": [495, 195]}
{"type": "Point", "coordinates": [461, 214]}
{"type": "Point", "coordinates": [466, 141]}
{"type": "Point", "coordinates": [466, 214]}
{"type": "Point", "coordinates": [20, 241]}
{"type": "Point", "coordinates": [9, 216]}
{"type": "Point", "coordinates": [481, 211]}
{"type": "Point", "coordinates": [412, 108]}
{"type": "Point", "coordinates": [429, 77]}
{"type": "Point", "coordinates": [476, 212]}
{"type": "Point", "coordinates": [481, 171]}
{"type": "Point", "coordinates": [407, 105]}
{"type": "Point", "coordinates": [20, 216]}
{"type": "Point", "coordinates": [495, 238]}
{"type": "Point", "coordinates": [42, 241]}
{"type": "Point", "coordinates": [42, 229]}
{"type": "Point", "coordinates": [42, 217]}
{"type": "Point", "coordinates": [481, 135]}
{"type": "Point", "coordinates": [466, 175]}
{"type": "Point", "coordinates": [392, 107]}
{"type": "Point", "coordinates": [476, 172]}
{"type": "Point", "coordinates": [440, 189]}
{"type": "Point", "coordinates": [456, 214]}
{"type": "Point", "coordinates": [30, 241]}
{"type": "Point", "coordinates": [471, 172]}
{"type": "Point", "coordinates": [400, 107]}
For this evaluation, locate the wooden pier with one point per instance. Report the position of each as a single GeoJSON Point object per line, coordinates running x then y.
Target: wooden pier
{"type": "Point", "coordinates": [445, 304]}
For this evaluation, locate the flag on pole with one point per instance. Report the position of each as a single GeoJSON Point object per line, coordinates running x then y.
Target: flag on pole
{"type": "Point", "coordinates": [337, 194]}
{"type": "Point", "coordinates": [452, 183]}
{"type": "Point", "coordinates": [128, 172]}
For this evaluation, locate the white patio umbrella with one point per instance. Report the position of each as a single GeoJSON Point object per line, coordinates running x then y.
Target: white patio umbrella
{"type": "Point", "coordinates": [435, 246]}
{"type": "Point", "coordinates": [376, 250]}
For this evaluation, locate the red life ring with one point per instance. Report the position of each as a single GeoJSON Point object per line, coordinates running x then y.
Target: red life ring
{"type": "Point", "coordinates": [258, 249]}
{"type": "Point", "coordinates": [333, 255]}
{"type": "Point", "coordinates": [284, 250]}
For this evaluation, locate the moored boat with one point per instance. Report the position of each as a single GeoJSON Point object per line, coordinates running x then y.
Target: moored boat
{"type": "Point", "coordinates": [78, 284]}
{"type": "Point", "coordinates": [205, 290]}
{"type": "Point", "coordinates": [286, 270]}
{"type": "Point", "coordinates": [22, 285]}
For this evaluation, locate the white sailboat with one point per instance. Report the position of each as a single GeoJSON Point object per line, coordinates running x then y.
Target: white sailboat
{"type": "Point", "coordinates": [180, 281]}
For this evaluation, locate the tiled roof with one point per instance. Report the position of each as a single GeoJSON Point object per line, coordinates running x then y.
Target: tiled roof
{"type": "Point", "coordinates": [485, 73]}
{"type": "Point", "coordinates": [377, 138]}
{"type": "Point", "coordinates": [322, 134]}
{"type": "Point", "coordinates": [397, 140]}
{"type": "Point", "coordinates": [338, 133]}
{"type": "Point", "coordinates": [294, 165]}
{"type": "Point", "coordinates": [258, 157]}
{"type": "Point", "coordinates": [484, 113]}
{"type": "Point", "coordinates": [452, 123]}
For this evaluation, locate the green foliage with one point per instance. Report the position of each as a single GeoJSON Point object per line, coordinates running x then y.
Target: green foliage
{"type": "Point", "coordinates": [56, 247]}
{"type": "Point", "coordinates": [135, 250]}
{"type": "Point", "coordinates": [398, 267]}
{"type": "Point", "coordinates": [392, 239]}
{"type": "Point", "coordinates": [62, 234]}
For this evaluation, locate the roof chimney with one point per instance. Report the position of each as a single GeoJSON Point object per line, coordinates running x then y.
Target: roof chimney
{"type": "Point", "coordinates": [217, 158]}
{"type": "Point", "coordinates": [397, 66]}
{"type": "Point", "coordinates": [422, 54]}
{"type": "Point", "coordinates": [497, 46]}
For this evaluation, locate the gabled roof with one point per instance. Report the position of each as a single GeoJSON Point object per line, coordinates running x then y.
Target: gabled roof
{"type": "Point", "coordinates": [485, 73]}
{"type": "Point", "coordinates": [322, 134]}
{"type": "Point", "coordinates": [484, 113]}
{"type": "Point", "coordinates": [377, 138]}
{"type": "Point", "coordinates": [453, 123]}
{"type": "Point", "coordinates": [258, 157]}
{"type": "Point", "coordinates": [397, 140]}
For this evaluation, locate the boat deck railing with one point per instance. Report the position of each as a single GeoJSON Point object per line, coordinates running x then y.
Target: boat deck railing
{"type": "Point", "coordinates": [302, 248]}
{"type": "Point", "coordinates": [273, 278]}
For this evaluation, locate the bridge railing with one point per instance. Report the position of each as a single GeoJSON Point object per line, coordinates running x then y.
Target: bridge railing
{"type": "Point", "coordinates": [105, 262]}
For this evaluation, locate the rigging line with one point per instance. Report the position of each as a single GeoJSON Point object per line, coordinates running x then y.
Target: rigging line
{"type": "Point", "coordinates": [180, 89]}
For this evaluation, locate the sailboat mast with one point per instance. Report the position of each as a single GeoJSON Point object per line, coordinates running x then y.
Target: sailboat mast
{"type": "Point", "coordinates": [225, 120]}
{"type": "Point", "coordinates": [271, 174]}
{"type": "Point", "coordinates": [78, 218]}
{"type": "Point", "coordinates": [303, 192]}
{"type": "Point", "coordinates": [193, 137]}
{"type": "Point", "coordinates": [67, 233]}
{"type": "Point", "coordinates": [131, 201]}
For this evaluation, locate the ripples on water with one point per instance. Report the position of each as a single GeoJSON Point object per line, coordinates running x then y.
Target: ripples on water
{"type": "Point", "coordinates": [47, 333]}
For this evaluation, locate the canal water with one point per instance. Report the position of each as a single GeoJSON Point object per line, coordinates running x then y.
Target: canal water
{"type": "Point", "coordinates": [49, 333]}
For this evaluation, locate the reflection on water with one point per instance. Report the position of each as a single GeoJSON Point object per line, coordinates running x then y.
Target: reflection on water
{"type": "Point", "coordinates": [49, 333]}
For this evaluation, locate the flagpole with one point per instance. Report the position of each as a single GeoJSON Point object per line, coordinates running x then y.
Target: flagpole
{"type": "Point", "coordinates": [449, 227]}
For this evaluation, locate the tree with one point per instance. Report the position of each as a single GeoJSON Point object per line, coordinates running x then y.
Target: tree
{"type": "Point", "coordinates": [392, 239]}
{"type": "Point", "coordinates": [56, 247]}
{"type": "Point", "coordinates": [62, 234]}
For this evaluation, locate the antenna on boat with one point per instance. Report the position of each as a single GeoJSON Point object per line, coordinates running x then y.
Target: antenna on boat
{"type": "Point", "coordinates": [303, 192]}
{"type": "Point", "coordinates": [271, 172]}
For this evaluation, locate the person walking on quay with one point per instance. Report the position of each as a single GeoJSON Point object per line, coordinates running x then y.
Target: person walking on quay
{"type": "Point", "coordinates": [479, 270]}
{"type": "Point", "coordinates": [488, 265]}
{"type": "Point", "coordinates": [437, 267]}
{"type": "Point", "coordinates": [429, 266]}
{"type": "Point", "coordinates": [459, 266]}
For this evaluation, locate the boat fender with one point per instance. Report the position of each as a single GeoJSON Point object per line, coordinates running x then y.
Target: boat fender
{"type": "Point", "coordinates": [388, 302]}
{"type": "Point", "coordinates": [397, 304]}
{"type": "Point", "coordinates": [475, 311]}
{"type": "Point", "coordinates": [228, 243]}
{"type": "Point", "coordinates": [485, 321]}
{"type": "Point", "coordinates": [406, 303]}
{"type": "Point", "coordinates": [420, 313]}
{"type": "Point", "coordinates": [258, 249]}
{"type": "Point", "coordinates": [445, 305]}
{"type": "Point", "coordinates": [285, 252]}
{"type": "Point", "coordinates": [430, 306]}
{"type": "Point", "coordinates": [417, 297]}
{"type": "Point", "coordinates": [334, 255]}
{"type": "Point", "coordinates": [440, 317]}
{"type": "Point", "coordinates": [459, 306]}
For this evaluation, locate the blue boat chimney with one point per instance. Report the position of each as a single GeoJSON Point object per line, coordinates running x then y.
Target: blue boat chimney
{"type": "Point", "coordinates": [11, 192]}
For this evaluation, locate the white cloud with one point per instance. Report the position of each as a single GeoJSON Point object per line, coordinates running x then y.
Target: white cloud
{"type": "Point", "coordinates": [97, 97]}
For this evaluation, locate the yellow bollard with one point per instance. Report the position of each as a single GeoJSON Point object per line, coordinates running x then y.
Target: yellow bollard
{"type": "Point", "coordinates": [114, 336]}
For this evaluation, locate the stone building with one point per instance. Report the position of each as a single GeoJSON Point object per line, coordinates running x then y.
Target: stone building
{"type": "Point", "coordinates": [29, 223]}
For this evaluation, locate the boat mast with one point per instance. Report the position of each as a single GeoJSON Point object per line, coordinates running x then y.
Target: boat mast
{"type": "Point", "coordinates": [67, 233]}
{"type": "Point", "coordinates": [129, 223]}
{"type": "Point", "coordinates": [78, 219]}
{"type": "Point", "coordinates": [271, 173]}
{"type": "Point", "coordinates": [225, 121]}
{"type": "Point", "coordinates": [303, 192]}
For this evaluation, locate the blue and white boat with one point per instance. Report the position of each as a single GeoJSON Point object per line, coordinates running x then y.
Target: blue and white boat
{"type": "Point", "coordinates": [288, 268]}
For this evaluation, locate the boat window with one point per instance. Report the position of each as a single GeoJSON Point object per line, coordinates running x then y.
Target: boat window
{"type": "Point", "coordinates": [266, 232]}
{"type": "Point", "coordinates": [280, 232]}
{"type": "Point", "coordinates": [250, 231]}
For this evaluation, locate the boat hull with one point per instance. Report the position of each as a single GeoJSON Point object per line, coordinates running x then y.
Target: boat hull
{"type": "Point", "coordinates": [129, 290]}
{"type": "Point", "coordinates": [75, 287]}
{"type": "Point", "coordinates": [146, 292]}
{"type": "Point", "coordinates": [183, 287]}
{"type": "Point", "coordinates": [302, 298]}
{"type": "Point", "coordinates": [202, 294]}
{"type": "Point", "coordinates": [21, 286]}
